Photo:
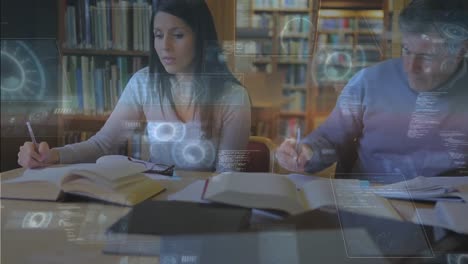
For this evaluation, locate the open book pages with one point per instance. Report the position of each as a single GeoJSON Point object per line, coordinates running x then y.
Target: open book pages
{"type": "Point", "coordinates": [427, 189]}
{"type": "Point", "coordinates": [445, 214]}
{"type": "Point", "coordinates": [111, 178]}
{"type": "Point", "coordinates": [279, 192]}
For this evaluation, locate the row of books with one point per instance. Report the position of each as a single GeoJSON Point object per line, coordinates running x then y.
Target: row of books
{"type": "Point", "coordinates": [261, 128]}
{"type": "Point", "coordinates": [294, 24]}
{"type": "Point", "coordinates": [296, 74]}
{"type": "Point", "coordinates": [336, 39]}
{"type": "Point", "coordinates": [295, 48]}
{"type": "Point", "coordinates": [375, 24]}
{"type": "Point", "coordinates": [291, 48]}
{"type": "Point", "coordinates": [337, 23]}
{"type": "Point", "coordinates": [108, 24]}
{"type": "Point", "coordinates": [289, 126]}
{"type": "Point", "coordinates": [243, 13]}
{"type": "Point", "coordinates": [287, 24]}
{"type": "Point", "coordinates": [262, 21]}
{"type": "Point", "coordinates": [258, 49]}
{"type": "Point", "coordinates": [369, 39]}
{"type": "Point", "coordinates": [281, 3]}
{"type": "Point", "coordinates": [92, 85]}
{"type": "Point", "coordinates": [296, 101]}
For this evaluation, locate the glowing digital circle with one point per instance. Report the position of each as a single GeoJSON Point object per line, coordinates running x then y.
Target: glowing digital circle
{"type": "Point", "coordinates": [194, 153]}
{"type": "Point", "coordinates": [169, 260]}
{"type": "Point", "coordinates": [37, 220]}
{"type": "Point", "coordinates": [165, 131]}
{"type": "Point", "coordinates": [22, 73]}
{"type": "Point", "coordinates": [284, 31]}
{"type": "Point", "coordinates": [338, 65]}
{"type": "Point", "coordinates": [14, 74]}
{"type": "Point", "coordinates": [454, 32]}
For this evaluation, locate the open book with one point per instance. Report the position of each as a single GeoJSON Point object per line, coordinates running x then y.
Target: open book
{"type": "Point", "coordinates": [427, 189]}
{"type": "Point", "coordinates": [112, 178]}
{"type": "Point", "coordinates": [281, 192]}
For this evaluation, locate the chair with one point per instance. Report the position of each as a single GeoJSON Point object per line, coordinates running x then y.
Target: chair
{"type": "Point", "coordinates": [261, 151]}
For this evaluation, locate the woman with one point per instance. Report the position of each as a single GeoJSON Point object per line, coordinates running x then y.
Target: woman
{"type": "Point", "coordinates": [196, 112]}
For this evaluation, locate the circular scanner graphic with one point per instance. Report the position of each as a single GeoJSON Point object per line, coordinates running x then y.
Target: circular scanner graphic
{"type": "Point", "coordinates": [194, 153]}
{"type": "Point", "coordinates": [22, 74]}
{"type": "Point", "coordinates": [165, 131]}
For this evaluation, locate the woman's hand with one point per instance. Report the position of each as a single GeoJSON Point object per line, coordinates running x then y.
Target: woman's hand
{"type": "Point", "coordinates": [30, 157]}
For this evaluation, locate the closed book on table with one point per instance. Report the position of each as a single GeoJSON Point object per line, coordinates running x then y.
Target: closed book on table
{"type": "Point", "coordinates": [150, 224]}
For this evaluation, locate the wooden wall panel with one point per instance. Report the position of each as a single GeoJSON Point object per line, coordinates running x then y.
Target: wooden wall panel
{"type": "Point", "coordinates": [224, 13]}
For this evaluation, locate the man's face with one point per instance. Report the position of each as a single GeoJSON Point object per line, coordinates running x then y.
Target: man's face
{"type": "Point", "coordinates": [427, 61]}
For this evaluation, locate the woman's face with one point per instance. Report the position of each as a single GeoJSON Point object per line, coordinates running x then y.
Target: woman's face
{"type": "Point", "coordinates": [174, 43]}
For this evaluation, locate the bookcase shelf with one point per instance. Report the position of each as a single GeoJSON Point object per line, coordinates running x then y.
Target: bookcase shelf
{"type": "Point", "coordinates": [287, 51]}
{"type": "Point", "coordinates": [349, 39]}
{"type": "Point", "coordinates": [318, 60]}
{"type": "Point", "coordinates": [98, 52]}
{"type": "Point", "coordinates": [279, 10]}
{"type": "Point", "coordinates": [102, 44]}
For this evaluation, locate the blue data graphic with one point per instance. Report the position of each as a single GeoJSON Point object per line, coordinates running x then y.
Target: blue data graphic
{"type": "Point", "coordinates": [23, 74]}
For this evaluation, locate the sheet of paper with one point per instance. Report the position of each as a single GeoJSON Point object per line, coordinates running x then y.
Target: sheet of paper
{"type": "Point", "coordinates": [425, 188]}
{"type": "Point", "coordinates": [448, 215]}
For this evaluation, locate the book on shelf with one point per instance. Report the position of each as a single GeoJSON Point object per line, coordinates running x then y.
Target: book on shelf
{"type": "Point", "coordinates": [294, 194]}
{"type": "Point", "coordinates": [112, 178]}
{"type": "Point", "coordinates": [262, 21]}
{"type": "Point", "coordinates": [296, 101]}
{"type": "Point", "coordinates": [288, 126]}
{"type": "Point", "coordinates": [93, 84]}
{"type": "Point", "coordinates": [108, 24]}
{"type": "Point", "coordinates": [292, 4]}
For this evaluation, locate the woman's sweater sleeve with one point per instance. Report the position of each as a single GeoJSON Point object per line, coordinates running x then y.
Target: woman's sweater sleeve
{"type": "Point", "coordinates": [235, 128]}
{"type": "Point", "coordinates": [117, 129]}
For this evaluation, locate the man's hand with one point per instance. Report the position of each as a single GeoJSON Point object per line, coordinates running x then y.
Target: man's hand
{"type": "Point", "coordinates": [289, 159]}
{"type": "Point", "coordinates": [30, 157]}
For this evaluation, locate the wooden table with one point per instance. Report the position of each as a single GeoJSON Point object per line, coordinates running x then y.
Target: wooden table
{"type": "Point", "coordinates": [73, 232]}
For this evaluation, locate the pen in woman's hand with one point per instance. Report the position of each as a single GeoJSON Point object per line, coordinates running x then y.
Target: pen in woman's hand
{"type": "Point", "coordinates": [31, 134]}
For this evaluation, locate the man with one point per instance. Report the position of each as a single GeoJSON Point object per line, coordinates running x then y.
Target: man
{"type": "Point", "coordinates": [407, 116]}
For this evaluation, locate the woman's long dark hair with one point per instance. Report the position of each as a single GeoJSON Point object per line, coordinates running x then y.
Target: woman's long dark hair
{"type": "Point", "coordinates": [210, 72]}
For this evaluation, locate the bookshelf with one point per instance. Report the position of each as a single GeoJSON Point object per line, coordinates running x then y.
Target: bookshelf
{"type": "Point", "coordinates": [102, 43]}
{"type": "Point", "coordinates": [277, 37]}
{"type": "Point", "coordinates": [348, 41]}
{"type": "Point", "coordinates": [316, 58]}
{"type": "Point", "coordinates": [349, 38]}
{"type": "Point", "coordinates": [394, 9]}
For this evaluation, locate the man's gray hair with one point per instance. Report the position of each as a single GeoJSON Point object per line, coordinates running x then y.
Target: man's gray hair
{"type": "Point", "coordinates": [447, 17]}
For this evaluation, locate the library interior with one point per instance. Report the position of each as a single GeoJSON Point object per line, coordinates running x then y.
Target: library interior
{"type": "Point", "coordinates": [293, 57]}
{"type": "Point", "coordinates": [303, 68]}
